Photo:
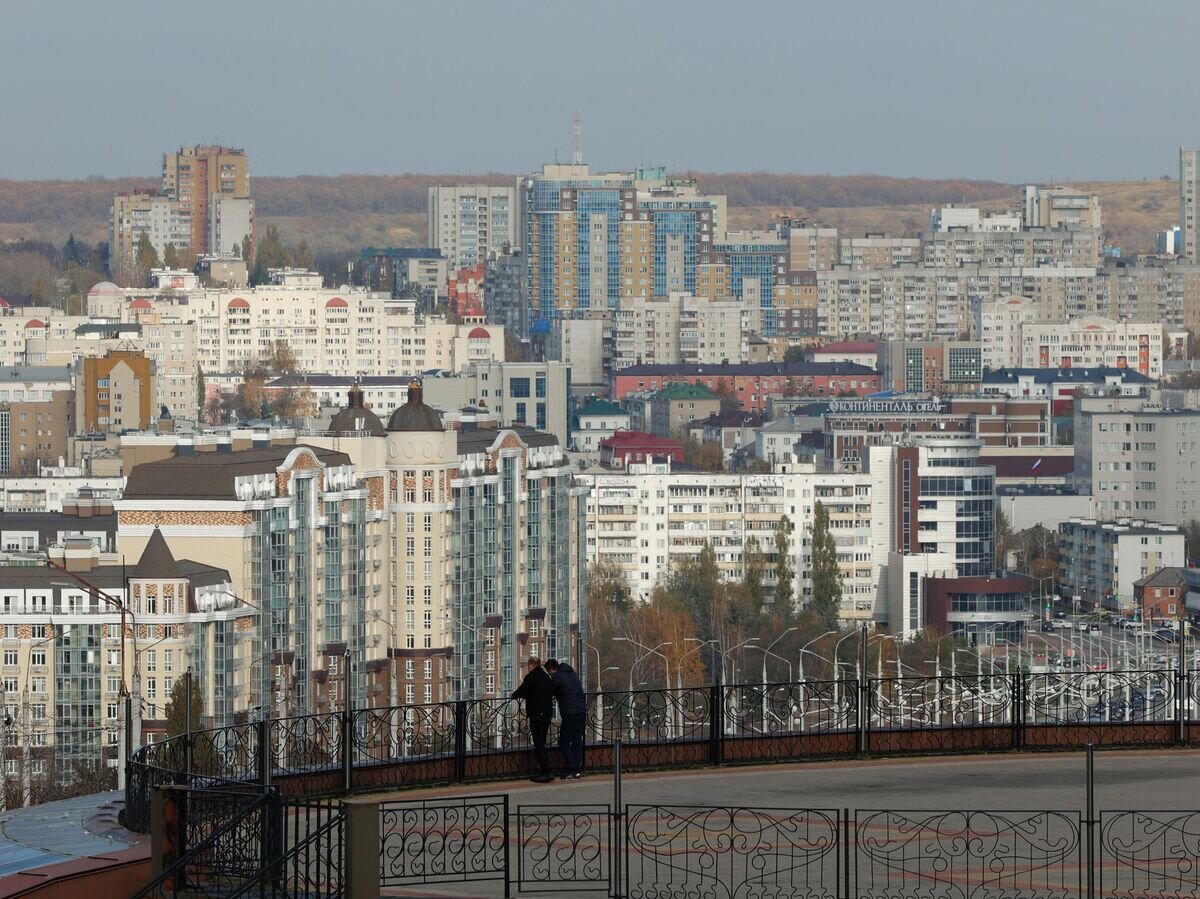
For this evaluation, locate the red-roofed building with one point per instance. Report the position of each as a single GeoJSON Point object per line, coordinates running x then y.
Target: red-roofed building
{"type": "Point", "coordinates": [337, 303]}
{"type": "Point", "coordinates": [238, 303]}
{"type": "Point", "coordinates": [625, 447]}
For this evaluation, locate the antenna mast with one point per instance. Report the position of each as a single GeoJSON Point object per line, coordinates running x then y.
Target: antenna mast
{"type": "Point", "coordinates": [577, 131]}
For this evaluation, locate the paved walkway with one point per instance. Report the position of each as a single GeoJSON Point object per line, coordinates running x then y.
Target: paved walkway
{"type": "Point", "coordinates": [1152, 779]}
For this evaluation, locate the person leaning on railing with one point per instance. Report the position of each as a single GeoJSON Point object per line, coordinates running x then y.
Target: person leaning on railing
{"type": "Point", "coordinates": [538, 692]}
{"type": "Point", "coordinates": [572, 706]}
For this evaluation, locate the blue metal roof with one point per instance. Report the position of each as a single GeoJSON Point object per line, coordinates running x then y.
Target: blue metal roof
{"type": "Point", "coordinates": [58, 831]}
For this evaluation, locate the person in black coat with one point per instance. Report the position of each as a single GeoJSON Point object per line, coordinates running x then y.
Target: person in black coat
{"type": "Point", "coordinates": [572, 706]}
{"type": "Point", "coordinates": [538, 692]}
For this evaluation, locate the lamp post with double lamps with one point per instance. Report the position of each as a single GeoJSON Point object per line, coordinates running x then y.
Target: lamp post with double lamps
{"type": "Point", "coordinates": [646, 653]}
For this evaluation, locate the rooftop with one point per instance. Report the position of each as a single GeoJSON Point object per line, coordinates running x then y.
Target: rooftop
{"type": "Point", "coordinates": [638, 438]}
{"type": "Point", "coordinates": [212, 475]}
{"type": "Point", "coordinates": [600, 407]}
{"type": "Point", "coordinates": [34, 373]}
{"type": "Point", "coordinates": [686, 392]}
{"type": "Point", "coordinates": [479, 439]}
{"type": "Point", "coordinates": [346, 381]}
{"type": "Point", "coordinates": [759, 369]}
{"type": "Point", "coordinates": [848, 346]}
{"type": "Point", "coordinates": [1031, 466]}
{"type": "Point", "coordinates": [1059, 375]}
{"type": "Point", "coordinates": [1164, 577]}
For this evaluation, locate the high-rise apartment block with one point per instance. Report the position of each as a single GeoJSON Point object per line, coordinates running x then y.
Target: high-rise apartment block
{"type": "Point", "coordinates": [195, 177]}
{"type": "Point", "coordinates": [469, 221]}
{"type": "Point", "coordinates": [202, 207]}
{"type": "Point", "coordinates": [591, 239]}
{"type": "Point", "coordinates": [1189, 196]}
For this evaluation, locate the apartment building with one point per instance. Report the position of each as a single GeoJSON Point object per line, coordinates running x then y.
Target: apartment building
{"type": "Point", "coordinates": [81, 635]}
{"type": "Point", "coordinates": [592, 238]}
{"type": "Point", "coordinates": [998, 324]}
{"type": "Point", "coordinates": [537, 394]}
{"type": "Point", "coordinates": [155, 216]}
{"type": "Point", "coordinates": [1093, 342]}
{"type": "Point", "coordinates": [1189, 196]}
{"type": "Point", "coordinates": [682, 328]}
{"type": "Point", "coordinates": [1060, 207]}
{"type": "Point", "coordinates": [647, 517]}
{"type": "Point", "coordinates": [37, 417]}
{"type": "Point", "coordinates": [1101, 561]}
{"type": "Point", "coordinates": [114, 392]}
{"type": "Point", "coordinates": [1137, 459]}
{"type": "Point", "coordinates": [200, 177]}
{"type": "Point", "coordinates": [467, 222]}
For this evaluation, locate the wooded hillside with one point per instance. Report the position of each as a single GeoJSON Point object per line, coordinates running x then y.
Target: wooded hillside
{"type": "Point", "coordinates": [344, 213]}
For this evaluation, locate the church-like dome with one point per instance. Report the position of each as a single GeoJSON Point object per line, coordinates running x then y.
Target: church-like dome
{"type": "Point", "coordinates": [356, 417]}
{"type": "Point", "coordinates": [414, 415]}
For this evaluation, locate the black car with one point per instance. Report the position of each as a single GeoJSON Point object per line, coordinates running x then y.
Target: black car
{"type": "Point", "coordinates": [1047, 626]}
{"type": "Point", "coordinates": [1167, 635]}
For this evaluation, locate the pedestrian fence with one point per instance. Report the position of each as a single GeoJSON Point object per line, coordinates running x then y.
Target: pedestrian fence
{"type": "Point", "coordinates": [386, 748]}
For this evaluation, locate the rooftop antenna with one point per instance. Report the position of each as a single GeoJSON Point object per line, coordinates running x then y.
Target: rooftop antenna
{"type": "Point", "coordinates": [577, 132]}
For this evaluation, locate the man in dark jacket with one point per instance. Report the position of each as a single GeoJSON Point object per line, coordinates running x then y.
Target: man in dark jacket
{"type": "Point", "coordinates": [538, 692]}
{"type": "Point", "coordinates": [572, 707]}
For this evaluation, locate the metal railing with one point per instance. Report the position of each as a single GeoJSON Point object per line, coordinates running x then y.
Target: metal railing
{"type": "Point", "coordinates": [371, 749]}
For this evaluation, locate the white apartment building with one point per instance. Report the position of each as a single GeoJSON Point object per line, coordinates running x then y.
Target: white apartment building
{"type": "Point", "coordinates": [999, 325]}
{"type": "Point", "coordinates": [230, 222]}
{"type": "Point", "coordinates": [1137, 459]}
{"type": "Point", "coordinates": [468, 221]}
{"type": "Point", "coordinates": [1093, 342]}
{"type": "Point", "coordinates": [340, 330]}
{"type": "Point", "coordinates": [1100, 561]}
{"type": "Point", "coordinates": [682, 328]}
{"type": "Point", "coordinates": [648, 517]}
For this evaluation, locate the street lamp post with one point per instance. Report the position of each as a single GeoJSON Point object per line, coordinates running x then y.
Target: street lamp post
{"type": "Point", "coordinates": [767, 652]}
{"type": "Point", "coordinates": [646, 652]}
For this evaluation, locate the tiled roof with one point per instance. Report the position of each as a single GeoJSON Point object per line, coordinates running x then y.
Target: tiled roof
{"type": "Point", "coordinates": [212, 475]}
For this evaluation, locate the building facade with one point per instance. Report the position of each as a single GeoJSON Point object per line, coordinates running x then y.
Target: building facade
{"type": "Point", "coordinates": [467, 222]}
{"type": "Point", "coordinates": [1100, 561]}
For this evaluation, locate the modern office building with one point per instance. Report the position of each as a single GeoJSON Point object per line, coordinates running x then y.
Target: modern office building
{"type": "Point", "coordinates": [468, 222]}
{"type": "Point", "coordinates": [939, 367]}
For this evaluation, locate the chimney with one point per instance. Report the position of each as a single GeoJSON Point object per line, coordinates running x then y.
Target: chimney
{"type": "Point", "coordinates": [415, 393]}
{"type": "Point", "coordinates": [355, 396]}
{"type": "Point", "coordinates": [185, 447]}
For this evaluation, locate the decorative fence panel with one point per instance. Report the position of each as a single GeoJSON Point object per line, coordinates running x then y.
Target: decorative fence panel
{"type": "Point", "coordinates": [444, 841]}
{"type": "Point", "coordinates": [563, 848]}
{"type": "Point", "coordinates": [962, 855]}
{"type": "Point", "coordinates": [684, 851]}
{"type": "Point", "coordinates": [1150, 854]}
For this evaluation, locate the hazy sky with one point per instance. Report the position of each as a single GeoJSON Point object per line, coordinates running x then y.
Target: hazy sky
{"type": "Point", "coordinates": [1004, 90]}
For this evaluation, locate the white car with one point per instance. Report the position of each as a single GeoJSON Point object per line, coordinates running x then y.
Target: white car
{"type": "Point", "coordinates": [1061, 624]}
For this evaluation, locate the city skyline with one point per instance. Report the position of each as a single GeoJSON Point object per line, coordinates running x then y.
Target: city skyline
{"type": "Point", "coordinates": [796, 89]}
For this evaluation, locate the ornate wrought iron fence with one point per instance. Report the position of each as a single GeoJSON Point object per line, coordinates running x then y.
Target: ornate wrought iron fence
{"type": "Point", "coordinates": [486, 739]}
{"type": "Point", "coordinates": [1149, 854]}
{"type": "Point", "coordinates": [444, 841]}
{"type": "Point", "coordinates": [1018, 855]}
{"type": "Point", "coordinates": [702, 851]}
{"type": "Point", "coordinates": [562, 848]}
